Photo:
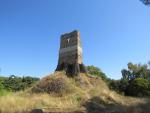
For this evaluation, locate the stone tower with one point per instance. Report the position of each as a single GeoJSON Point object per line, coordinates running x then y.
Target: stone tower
{"type": "Point", "coordinates": [70, 54]}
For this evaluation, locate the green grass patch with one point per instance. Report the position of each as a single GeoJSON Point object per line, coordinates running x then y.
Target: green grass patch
{"type": "Point", "coordinates": [4, 92]}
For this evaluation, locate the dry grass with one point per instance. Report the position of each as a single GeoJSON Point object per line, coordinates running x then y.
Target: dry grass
{"type": "Point", "coordinates": [81, 90]}
{"type": "Point", "coordinates": [22, 104]}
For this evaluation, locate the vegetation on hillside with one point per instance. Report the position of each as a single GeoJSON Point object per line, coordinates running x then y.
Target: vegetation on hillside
{"type": "Point", "coordinates": [97, 72]}
{"type": "Point", "coordinates": [91, 93]}
{"type": "Point", "coordinates": [14, 83]}
{"type": "Point", "coordinates": [135, 80]}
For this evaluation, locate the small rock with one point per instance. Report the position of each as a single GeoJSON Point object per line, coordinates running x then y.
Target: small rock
{"type": "Point", "coordinates": [37, 111]}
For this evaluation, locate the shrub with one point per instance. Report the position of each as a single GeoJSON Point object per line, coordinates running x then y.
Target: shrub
{"type": "Point", "coordinates": [114, 85]}
{"type": "Point", "coordinates": [1, 82]}
{"type": "Point", "coordinates": [57, 85]}
{"type": "Point", "coordinates": [14, 83]}
{"type": "Point", "coordinates": [52, 84]}
{"type": "Point", "coordinates": [95, 71]}
{"type": "Point", "coordinates": [139, 87]}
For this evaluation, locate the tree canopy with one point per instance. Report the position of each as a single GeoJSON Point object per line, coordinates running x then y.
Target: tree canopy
{"type": "Point", "coordinates": [95, 71]}
{"type": "Point", "coordinates": [135, 80]}
{"type": "Point", "coordinates": [14, 83]}
{"type": "Point", "coordinates": [146, 2]}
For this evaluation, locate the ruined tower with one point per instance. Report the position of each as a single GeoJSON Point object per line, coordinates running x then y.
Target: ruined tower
{"type": "Point", "coordinates": [70, 54]}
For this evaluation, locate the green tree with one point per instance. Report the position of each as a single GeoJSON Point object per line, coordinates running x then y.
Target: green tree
{"type": "Point", "coordinates": [136, 71]}
{"type": "Point", "coordinates": [1, 82]}
{"type": "Point", "coordinates": [139, 87]}
{"type": "Point", "coordinates": [114, 85]}
{"type": "Point", "coordinates": [14, 83]}
{"type": "Point", "coordinates": [95, 71]}
{"type": "Point", "coordinates": [1, 85]}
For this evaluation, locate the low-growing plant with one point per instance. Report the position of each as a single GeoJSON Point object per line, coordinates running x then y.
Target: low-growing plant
{"type": "Point", "coordinates": [58, 85]}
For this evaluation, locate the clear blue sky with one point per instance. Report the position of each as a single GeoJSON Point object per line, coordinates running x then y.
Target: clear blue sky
{"type": "Point", "coordinates": [113, 32]}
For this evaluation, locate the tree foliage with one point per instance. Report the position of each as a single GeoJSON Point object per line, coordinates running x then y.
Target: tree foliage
{"type": "Point", "coordinates": [146, 2]}
{"type": "Point", "coordinates": [135, 80]}
{"type": "Point", "coordinates": [136, 71]}
{"type": "Point", "coordinates": [14, 83]}
{"type": "Point", "coordinates": [139, 87]}
{"type": "Point", "coordinates": [1, 83]}
{"type": "Point", "coordinates": [95, 71]}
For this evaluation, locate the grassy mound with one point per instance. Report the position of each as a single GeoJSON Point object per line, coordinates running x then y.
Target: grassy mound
{"type": "Point", "coordinates": [59, 91]}
{"type": "Point", "coordinates": [54, 84]}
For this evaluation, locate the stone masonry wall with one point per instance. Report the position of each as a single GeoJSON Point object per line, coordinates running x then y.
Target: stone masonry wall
{"type": "Point", "coordinates": [70, 53]}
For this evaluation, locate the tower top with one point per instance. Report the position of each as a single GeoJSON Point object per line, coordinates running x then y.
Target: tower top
{"type": "Point", "coordinates": [75, 32]}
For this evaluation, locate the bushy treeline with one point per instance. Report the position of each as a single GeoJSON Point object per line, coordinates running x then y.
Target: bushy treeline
{"type": "Point", "coordinates": [14, 83]}
{"type": "Point", "coordinates": [97, 72]}
{"type": "Point", "coordinates": [135, 79]}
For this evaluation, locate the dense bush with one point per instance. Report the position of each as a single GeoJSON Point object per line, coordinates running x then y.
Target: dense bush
{"type": "Point", "coordinates": [14, 83]}
{"type": "Point", "coordinates": [95, 71]}
{"type": "Point", "coordinates": [1, 83]}
{"type": "Point", "coordinates": [119, 86]}
{"type": "Point", "coordinates": [53, 85]}
{"type": "Point", "coordinates": [135, 80]}
{"type": "Point", "coordinates": [139, 87]}
{"type": "Point", "coordinates": [114, 85]}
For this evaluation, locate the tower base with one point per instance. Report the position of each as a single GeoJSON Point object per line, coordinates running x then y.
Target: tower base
{"type": "Point", "coordinates": [72, 69]}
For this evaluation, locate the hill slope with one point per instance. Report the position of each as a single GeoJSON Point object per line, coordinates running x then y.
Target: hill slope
{"type": "Point", "coordinates": [59, 92]}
